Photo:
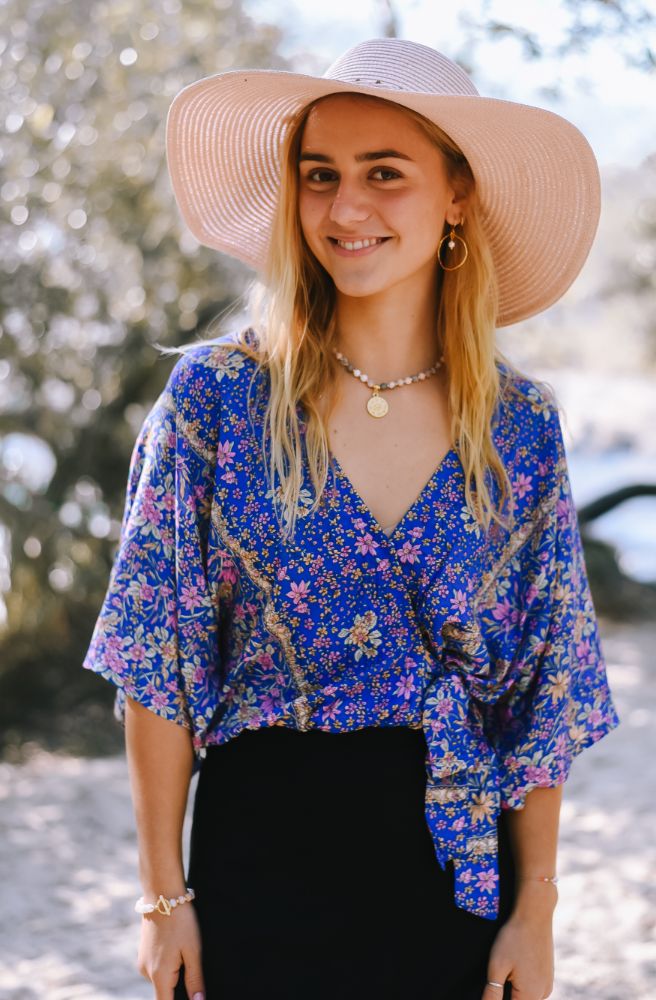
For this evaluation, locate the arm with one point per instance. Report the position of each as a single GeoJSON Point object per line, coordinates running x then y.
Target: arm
{"type": "Point", "coordinates": [147, 632]}
{"type": "Point", "coordinates": [557, 703]}
{"type": "Point", "coordinates": [160, 760]}
{"type": "Point", "coordinates": [534, 840]}
{"type": "Point", "coordinates": [523, 950]}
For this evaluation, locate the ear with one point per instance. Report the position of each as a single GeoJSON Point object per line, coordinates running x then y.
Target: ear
{"type": "Point", "coordinates": [459, 201]}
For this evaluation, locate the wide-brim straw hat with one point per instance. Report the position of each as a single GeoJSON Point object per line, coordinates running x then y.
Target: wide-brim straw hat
{"type": "Point", "coordinates": [536, 174]}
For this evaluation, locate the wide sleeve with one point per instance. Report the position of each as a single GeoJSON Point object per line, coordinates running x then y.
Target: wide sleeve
{"type": "Point", "coordinates": [557, 699]}
{"type": "Point", "coordinates": [156, 635]}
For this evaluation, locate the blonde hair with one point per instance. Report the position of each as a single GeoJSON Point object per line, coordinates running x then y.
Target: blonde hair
{"type": "Point", "coordinates": [293, 316]}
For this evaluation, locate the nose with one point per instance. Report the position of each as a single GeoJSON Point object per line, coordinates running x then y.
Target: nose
{"type": "Point", "coordinates": [349, 205]}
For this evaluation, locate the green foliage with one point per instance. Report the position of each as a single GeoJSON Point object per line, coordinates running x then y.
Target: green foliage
{"type": "Point", "coordinates": [97, 268]}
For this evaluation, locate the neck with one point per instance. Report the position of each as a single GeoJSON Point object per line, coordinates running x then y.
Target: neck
{"type": "Point", "coordinates": [391, 334]}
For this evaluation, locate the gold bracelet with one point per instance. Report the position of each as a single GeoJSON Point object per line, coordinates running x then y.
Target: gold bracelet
{"type": "Point", "coordinates": [162, 904]}
{"type": "Point", "coordinates": [540, 878]}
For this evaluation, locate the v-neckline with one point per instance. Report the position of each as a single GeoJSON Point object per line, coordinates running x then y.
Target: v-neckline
{"type": "Point", "coordinates": [400, 524]}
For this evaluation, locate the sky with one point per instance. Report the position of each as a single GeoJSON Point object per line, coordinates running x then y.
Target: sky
{"type": "Point", "coordinates": [610, 102]}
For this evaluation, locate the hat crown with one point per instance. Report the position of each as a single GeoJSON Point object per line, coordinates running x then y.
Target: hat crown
{"type": "Point", "coordinates": [398, 64]}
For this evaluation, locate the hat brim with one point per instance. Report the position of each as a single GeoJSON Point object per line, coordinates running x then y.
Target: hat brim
{"type": "Point", "coordinates": [536, 174]}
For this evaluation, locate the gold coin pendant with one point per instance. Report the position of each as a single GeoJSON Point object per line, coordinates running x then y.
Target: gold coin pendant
{"type": "Point", "coordinates": [377, 406]}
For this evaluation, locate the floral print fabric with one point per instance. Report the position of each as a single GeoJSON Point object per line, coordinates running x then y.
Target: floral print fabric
{"type": "Point", "coordinates": [488, 642]}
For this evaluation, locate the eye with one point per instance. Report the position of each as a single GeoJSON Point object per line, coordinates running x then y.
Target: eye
{"type": "Point", "coordinates": [320, 175]}
{"type": "Point", "coordinates": [392, 175]}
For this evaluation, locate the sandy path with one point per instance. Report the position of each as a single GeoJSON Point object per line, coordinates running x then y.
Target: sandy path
{"type": "Point", "coordinates": [68, 863]}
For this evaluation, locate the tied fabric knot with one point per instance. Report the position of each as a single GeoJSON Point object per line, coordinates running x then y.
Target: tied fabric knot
{"type": "Point", "coordinates": [466, 652]}
{"type": "Point", "coordinates": [463, 780]}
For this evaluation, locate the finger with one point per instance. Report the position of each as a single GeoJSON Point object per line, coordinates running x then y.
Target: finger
{"type": "Point", "coordinates": [494, 988]}
{"type": "Point", "coordinates": [163, 989]}
{"type": "Point", "coordinates": [179, 990]}
{"type": "Point", "coordinates": [165, 985]}
{"type": "Point", "coordinates": [195, 990]}
{"type": "Point", "coordinates": [194, 983]}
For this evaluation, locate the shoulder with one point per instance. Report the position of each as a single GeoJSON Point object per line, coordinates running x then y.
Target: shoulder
{"type": "Point", "coordinates": [529, 439]}
{"type": "Point", "coordinates": [527, 415]}
{"type": "Point", "coordinates": [529, 395]}
{"type": "Point", "coordinates": [204, 371]}
{"type": "Point", "coordinates": [205, 364]}
{"type": "Point", "coordinates": [189, 407]}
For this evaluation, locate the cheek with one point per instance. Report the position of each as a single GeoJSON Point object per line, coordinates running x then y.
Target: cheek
{"type": "Point", "coordinates": [309, 212]}
{"type": "Point", "coordinates": [414, 218]}
{"type": "Point", "coordinates": [419, 215]}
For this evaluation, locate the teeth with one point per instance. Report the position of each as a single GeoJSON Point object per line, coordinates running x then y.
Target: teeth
{"type": "Point", "coordinates": [358, 244]}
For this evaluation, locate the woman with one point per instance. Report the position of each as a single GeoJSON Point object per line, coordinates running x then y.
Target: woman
{"type": "Point", "coordinates": [350, 571]}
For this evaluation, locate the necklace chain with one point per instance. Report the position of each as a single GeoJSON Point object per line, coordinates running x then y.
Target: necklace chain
{"type": "Point", "coordinates": [376, 405]}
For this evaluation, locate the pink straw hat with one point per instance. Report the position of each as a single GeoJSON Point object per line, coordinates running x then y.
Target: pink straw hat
{"type": "Point", "coordinates": [535, 172]}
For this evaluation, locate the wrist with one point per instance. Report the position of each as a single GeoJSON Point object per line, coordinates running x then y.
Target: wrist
{"type": "Point", "coordinates": [166, 883]}
{"type": "Point", "coordinates": [165, 887]}
{"type": "Point", "coordinates": [168, 879]}
{"type": "Point", "coordinates": [163, 904]}
{"type": "Point", "coordinates": [534, 898]}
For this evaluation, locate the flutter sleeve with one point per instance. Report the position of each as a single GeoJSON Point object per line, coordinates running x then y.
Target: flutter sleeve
{"type": "Point", "coordinates": [557, 699]}
{"type": "Point", "coordinates": [156, 635]}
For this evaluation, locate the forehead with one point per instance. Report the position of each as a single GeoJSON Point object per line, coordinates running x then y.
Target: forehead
{"type": "Point", "coordinates": [348, 120]}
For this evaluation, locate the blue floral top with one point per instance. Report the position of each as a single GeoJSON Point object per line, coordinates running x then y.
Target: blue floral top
{"type": "Point", "coordinates": [488, 642]}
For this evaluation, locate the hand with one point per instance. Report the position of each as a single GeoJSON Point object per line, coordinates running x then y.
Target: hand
{"type": "Point", "coordinates": [166, 944]}
{"type": "Point", "coordinates": [522, 952]}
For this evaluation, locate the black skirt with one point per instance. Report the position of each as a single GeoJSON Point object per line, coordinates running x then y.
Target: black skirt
{"type": "Point", "coordinates": [315, 873]}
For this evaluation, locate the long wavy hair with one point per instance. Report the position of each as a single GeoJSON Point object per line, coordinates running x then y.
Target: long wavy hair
{"type": "Point", "coordinates": [292, 332]}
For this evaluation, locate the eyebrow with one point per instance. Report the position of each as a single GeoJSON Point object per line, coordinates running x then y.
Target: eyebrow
{"type": "Point", "coordinates": [379, 154]}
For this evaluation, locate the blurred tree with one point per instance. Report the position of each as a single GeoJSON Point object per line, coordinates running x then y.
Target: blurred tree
{"type": "Point", "coordinates": [389, 19]}
{"type": "Point", "coordinates": [629, 24]}
{"type": "Point", "coordinates": [632, 261]}
{"type": "Point", "coordinates": [96, 267]}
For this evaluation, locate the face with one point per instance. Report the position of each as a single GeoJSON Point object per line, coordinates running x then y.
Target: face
{"type": "Point", "coordinates": [373, 195]}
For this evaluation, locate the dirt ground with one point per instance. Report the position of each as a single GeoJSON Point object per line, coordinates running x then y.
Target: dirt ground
{"type": "Point", "coordinates": [68, 862]}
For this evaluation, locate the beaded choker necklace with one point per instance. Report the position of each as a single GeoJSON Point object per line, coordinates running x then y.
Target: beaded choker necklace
{"type": "Point", "coordinates": [376, 405]}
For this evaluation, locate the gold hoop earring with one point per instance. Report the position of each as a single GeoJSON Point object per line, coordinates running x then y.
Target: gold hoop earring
{"type": "Point", "coordinates": [452, 236]}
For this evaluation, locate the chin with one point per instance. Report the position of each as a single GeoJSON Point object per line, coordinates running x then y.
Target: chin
{"type": "Point", "coordinates": [362, 286]}
{"type": "Point", "coordinates": [359, 291]}
{"type": "Point", "coordinates": [363, 290]}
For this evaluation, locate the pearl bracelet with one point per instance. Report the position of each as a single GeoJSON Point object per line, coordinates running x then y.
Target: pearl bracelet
{"type": "Point", "coordinates": [163, 905]}
{"type": "Point", "coordinates": [540, 878]}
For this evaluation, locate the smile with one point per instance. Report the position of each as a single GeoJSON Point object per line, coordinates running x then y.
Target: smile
{"type": "Point", "coordinates": [359, 247]}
